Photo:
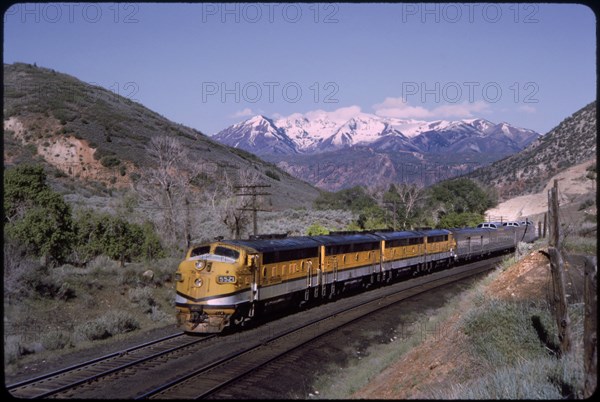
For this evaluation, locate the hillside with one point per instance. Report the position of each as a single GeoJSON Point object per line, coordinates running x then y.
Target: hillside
{"type": "Point", "coordinates": [576, 192]}
{"type": "Point", "coordinates": [94, 141]}
{"type": "Point", "coordinates": [570, 143]}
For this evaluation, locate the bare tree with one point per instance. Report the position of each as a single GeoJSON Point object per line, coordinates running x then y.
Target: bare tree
{"type": "Point", "coordinates": [401, 199]}
{"type": "Point", "coordinates": [168, 185]}
{"type": "Point", "coordinates": [409, 195]}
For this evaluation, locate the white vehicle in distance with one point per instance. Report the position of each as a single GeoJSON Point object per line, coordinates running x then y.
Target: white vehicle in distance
{"type": "Point", "coordinates": [489, 225]}
{"type": "Point", "coordinates": [513, 224]}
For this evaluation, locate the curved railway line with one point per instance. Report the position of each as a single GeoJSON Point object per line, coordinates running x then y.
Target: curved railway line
{"type": "Point", "coordinates": [190, 367]}
{"type": "Point", "coordinates": [68, 378]}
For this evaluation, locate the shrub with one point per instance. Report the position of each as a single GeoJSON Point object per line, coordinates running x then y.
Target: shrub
{"type": "Point", "coordinates": [142, 297]}
{"type": "Point", "coordinates": [272, 175]}
{"type": "Point", "coordinates": [110, 161]}
{"type": "Point", "coordinates": [55, 340]}
{"type": "Point", "coordinates": [317, 229]}
{"type": "Point", "coordinates": [115, 237]}
{"type": "Point", "coordinates": [460, 220]}
{"type": "Point", "coordinates": [110, 324]}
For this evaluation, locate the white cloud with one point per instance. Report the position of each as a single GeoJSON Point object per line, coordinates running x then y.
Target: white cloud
{"type": "Point", "coordinates": [340, 115]}
{"type": "Point", "coordinates": [527, 109]}
{"type": "Point", "coordinates": [243, 113]}
{"type": "Point", "coordinates": [462, 110]}
{"type": "Point", "coordinates": [400, 108]}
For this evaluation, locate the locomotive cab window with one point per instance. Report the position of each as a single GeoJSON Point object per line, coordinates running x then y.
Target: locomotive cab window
{"type": "Point", "coordinates": [227, 252]}
{"type": "Point", "coordinates": [200, 251]}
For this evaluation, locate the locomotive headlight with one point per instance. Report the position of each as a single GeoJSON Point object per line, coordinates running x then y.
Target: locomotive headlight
{"type": "Point", "coordinates": [200, 264]}
{"type": "Point", "coordinates": [198, 282]}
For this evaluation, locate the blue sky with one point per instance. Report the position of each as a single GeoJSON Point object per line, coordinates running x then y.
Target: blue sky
{"type": "Point", "coordinates": [211, 65]}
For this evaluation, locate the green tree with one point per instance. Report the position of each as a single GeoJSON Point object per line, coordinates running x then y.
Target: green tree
{"type": "Point", "coordinates": [459, 195]}
{"type": "Point", "coordinates": [354, 199]}
{"type": "Point", "coordinates": [358, 201]}
{"type": "Point", "coordinates": [89, 232]}
{"type": "Point", "coordinates": [460, 220]}
{"type": "Point", "coordinates": [372, 218]}
{"type": "Point", "coordinates": [35, 215]}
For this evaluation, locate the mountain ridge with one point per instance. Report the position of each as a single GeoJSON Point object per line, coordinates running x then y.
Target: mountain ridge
{"type": "Point", "coordinates": [334, 154]}
{"type": "Point", "coordinates": [300, 135]}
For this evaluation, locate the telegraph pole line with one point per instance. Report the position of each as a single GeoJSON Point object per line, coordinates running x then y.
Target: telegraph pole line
{"type": "Point", "coordinates": [253, 192]}
{"type": "Point", "coordinates": [393, 203]}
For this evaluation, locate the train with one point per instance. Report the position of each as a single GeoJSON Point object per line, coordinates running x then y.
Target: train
{"type": "Point", "coordinates": [224, 284]}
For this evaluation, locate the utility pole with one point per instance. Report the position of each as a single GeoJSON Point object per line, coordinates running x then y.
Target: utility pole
{"type": "Point", "coordinates": [252, 191]}
{"type": "Point", "coordinates": [394, 216]}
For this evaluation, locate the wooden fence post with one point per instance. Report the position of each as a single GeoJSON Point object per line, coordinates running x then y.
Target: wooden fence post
{"type": "Point", "coordinates": [557, 269]}
{"type": "Point", "coordinates": [560, 300]}
{"type": "Point", "coordinates": [590, 297]}
{"type": "Point", "coordinates": [553, 218]}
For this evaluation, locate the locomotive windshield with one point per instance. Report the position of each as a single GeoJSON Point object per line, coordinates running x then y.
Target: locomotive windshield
{"type": "Point", "coordinates": [200, 250]}
{"type": "Point", "coordinates": [227, 252]}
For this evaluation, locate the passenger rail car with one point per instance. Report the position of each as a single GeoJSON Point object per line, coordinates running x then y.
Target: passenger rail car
{"type": "Point", "coordinates": [228, 282]}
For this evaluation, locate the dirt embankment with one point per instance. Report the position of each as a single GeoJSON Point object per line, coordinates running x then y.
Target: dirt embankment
{"type": "Point", "coordinates": [572, 183]}
{"type": "Point", "coordinates": [72, 156]}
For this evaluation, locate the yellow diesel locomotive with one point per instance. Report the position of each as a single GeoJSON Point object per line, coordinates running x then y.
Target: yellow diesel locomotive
{"type": "Point", "coordinates": [229, 282]}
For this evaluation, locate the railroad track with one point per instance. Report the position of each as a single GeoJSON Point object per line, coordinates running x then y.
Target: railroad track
{"type": "Point", "coordinates": [68, 378]}
{"type": "Point", "coordinates": [217, 376]}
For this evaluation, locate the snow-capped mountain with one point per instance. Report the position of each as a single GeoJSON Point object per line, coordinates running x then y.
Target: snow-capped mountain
{"type": "Point", "coordinates": [299, 134]}
{"type": "Point", "coordinates": [258, 133]}
{"type": "Point", "coordinates": [522, 137]}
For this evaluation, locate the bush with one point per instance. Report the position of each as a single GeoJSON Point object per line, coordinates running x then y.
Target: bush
{"type": "Point", "coordinates": [460, 220]}
{"type": "Point", "coordinates": [55, 340]}
{"type": "Point", "coordinates": [272, 175]}
{"type": "Point", "coordinates": [115, 237]}
{"type": "Point", "coordinates": [110, 324]}
{"type": "Point", "coordinates": [110, 161]}
{"type": "Point", "coordinates": [142, 297]}
{"type": "Point", "coordinates": [317, 229]}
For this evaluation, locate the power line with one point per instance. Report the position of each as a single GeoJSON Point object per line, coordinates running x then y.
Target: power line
{"type": "Point", "coordinates": [253, 193]}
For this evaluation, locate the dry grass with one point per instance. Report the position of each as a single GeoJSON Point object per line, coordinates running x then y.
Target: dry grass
{"type": "Point", "coordinates": [103, 301]}
{"type": "Point", "coordinates": [492, 348]}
